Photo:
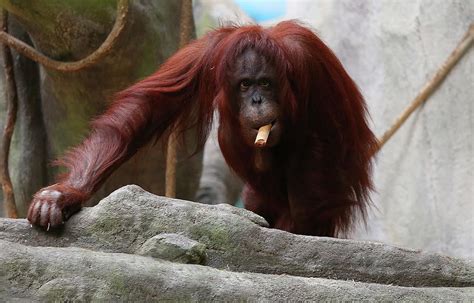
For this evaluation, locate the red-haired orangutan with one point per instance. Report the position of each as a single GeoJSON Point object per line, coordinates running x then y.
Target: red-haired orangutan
{"type": "Point", "coordinates": [310, 177]}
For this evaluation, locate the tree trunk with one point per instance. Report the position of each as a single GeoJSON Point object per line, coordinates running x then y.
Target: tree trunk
{"type": "Point", "coordinates": [28, 157]}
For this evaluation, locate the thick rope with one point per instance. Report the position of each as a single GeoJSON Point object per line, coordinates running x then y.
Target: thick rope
{"type": "Point", "coordinates": [104, 49]}
{"type": "Point", "coordinates": [431, 85]}
{"type": "Point", "coordinates": [11, 98]}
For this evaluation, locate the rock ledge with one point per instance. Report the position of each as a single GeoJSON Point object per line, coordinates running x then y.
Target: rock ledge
{"type": "Point", "coordinates": [138, 246]}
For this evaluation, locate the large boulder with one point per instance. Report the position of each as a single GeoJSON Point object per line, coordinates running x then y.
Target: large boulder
{"type": "Point", "coordinates": [135, 245]}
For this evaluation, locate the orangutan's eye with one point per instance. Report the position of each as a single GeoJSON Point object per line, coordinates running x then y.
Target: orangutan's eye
{"type": "Point", "coordinates": [245, 84]}
{"type": "Point", "coordinates": [264, 83]}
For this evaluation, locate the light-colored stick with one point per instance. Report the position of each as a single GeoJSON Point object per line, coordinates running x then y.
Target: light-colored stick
{"type": "Point", "coordinates": [262, 135]}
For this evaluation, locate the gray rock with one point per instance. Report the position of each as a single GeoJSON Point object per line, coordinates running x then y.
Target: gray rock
{"type": "Point", "coordinates": [95, 257]}
{"type": "Point", "coordinates": [175, 248]}
{"type": "Point", "coordinates": [75, 274]}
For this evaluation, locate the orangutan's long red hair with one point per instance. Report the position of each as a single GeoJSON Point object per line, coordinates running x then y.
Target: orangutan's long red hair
{"type": "Point", "coordinates": [323, 163]}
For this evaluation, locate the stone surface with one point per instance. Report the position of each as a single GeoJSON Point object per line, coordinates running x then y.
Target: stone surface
{"type": "Point", "coordinates": [95, 256]}
{"type": "Point", "coordinates": [174, 247]}
{"type": "Point", "coordinates": [75, 274]}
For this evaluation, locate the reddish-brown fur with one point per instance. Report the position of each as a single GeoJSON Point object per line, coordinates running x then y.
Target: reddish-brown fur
{"type": "Point", "coordinates": [320, 172]}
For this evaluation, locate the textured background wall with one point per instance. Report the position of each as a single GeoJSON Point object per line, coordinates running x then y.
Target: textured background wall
{"type": "Point", "coordinates": [424, 175]}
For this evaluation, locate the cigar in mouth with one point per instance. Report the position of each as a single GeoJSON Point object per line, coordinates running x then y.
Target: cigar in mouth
{"type": "Point", "coordinates": [262, 135]}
